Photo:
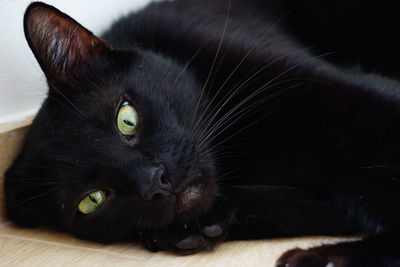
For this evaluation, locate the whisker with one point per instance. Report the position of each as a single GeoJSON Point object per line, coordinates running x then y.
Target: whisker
{"type": "Point", "coordinates": [21, 201]}
{"type": "Point", "coordinates": [221, 61]}
{"type": "Point", "coordinates": [244, 128]}
{"type": "Point", "coordinates": [232, 146]}
{"type": "Point", "coordinates": [191, 60]}
{"type": "Point", "coordinates": [218, 178]}
{"type": "Point", "coordinates": [240, 114]}
{"type": "Point", "coordinates": [215, 59]}
{"type": "Point", "coordinates": [231, 94]}
{"type": "Point", "coordinates": [80, 113]}
{"type": "Point", "coordinates": [246, 56]}
{"type": "Point", "coordinates": [201, 232]}
{"type": "Point", "coordinates": [226, 116]}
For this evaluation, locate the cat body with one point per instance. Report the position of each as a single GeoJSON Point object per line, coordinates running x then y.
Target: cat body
{"type": "Point", "coordinates": [254, 119]}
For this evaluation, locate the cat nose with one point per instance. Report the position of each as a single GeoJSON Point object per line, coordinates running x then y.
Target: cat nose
{"type": "Point", "coordinates": [159, 177]}
{"type": "Point", "coordinates": [155, 185]}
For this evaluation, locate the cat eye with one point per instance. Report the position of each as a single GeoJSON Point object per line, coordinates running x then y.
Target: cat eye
{"type": "Point", "coordinates": [92, 202]}
{"type": "Point", "coordinates": [127, 119]}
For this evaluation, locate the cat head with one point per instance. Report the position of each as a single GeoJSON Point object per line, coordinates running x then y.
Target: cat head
{"type": "Point", "coordinates": [116, 146]}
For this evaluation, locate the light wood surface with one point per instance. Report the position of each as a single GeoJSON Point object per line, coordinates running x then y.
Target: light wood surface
{"type": "Point", "coordinates": [40, 247]}
{"type": "Point", "coordinates": [10, 144]}
{"type": "Point", "coordinates": [43, 247]}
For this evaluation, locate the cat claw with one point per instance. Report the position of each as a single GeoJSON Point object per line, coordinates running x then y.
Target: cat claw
{"type": "Point", "coordinates": [193, 242]}
{"type": "Point", "coordinates": [212, 230]}
{"type": "Point", "coordinates": [190, 242]}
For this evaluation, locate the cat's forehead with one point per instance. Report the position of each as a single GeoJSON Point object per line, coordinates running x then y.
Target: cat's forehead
{"type": "Point", "coordinates": [143, 76]}
{"type": "Point", "coordinates": [153, 74]}
{"type": "Point", "coordinates": [153, 84]}
{"type": "Point", "coordinates": [138, 77]}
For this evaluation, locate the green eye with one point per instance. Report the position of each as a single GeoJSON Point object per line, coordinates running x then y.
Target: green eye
{"type": "Point", "coordinates": [127, 119]}
{"type": "Point", "coordinates": [91, 202]}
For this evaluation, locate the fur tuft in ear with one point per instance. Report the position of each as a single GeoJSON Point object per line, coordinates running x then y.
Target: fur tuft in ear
{"type": "Point", "coordinates": [60, 44]}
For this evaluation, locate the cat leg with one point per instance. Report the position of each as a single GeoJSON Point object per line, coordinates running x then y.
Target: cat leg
{"type": "Point", "coordinates": [376, 208]}
{"type": "Point", "coordinates": [275, 211]}
{"type": "Point", "coordinates": [248, 212]}
{"type": "Point", "coordinates": [381, 250]}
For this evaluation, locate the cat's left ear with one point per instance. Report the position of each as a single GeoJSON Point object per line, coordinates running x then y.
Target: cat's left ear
{"type": "Point", "coordinates": [61, 45]}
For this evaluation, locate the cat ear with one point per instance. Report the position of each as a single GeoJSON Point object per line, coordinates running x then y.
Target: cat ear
{"type": "Point", "coordinates": [60, 44]}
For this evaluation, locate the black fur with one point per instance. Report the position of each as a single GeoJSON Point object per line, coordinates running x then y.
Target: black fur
{"type": "Point", "coordinates": [281, 117]}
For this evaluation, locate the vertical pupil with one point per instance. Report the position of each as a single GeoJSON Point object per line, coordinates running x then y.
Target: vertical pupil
{"type": "Point", "coordinates": [129, 123]}
{"type": "Point", "coordinates": [93, 199]}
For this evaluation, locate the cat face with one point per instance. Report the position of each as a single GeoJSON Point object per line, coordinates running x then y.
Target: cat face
{"type": "Point", "coordinates": [116, 145]}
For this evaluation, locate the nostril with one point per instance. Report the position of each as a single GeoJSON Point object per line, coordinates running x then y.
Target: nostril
{"type": "Point", "coordinates": [160, 176]}
{"type": "Point", "coordinates": [157, 196]}
{"type": "Point", "coordinates": [153, 195]}
{"type": "Point", "coordinates": [154, 183]}
{"type": "Point", "coordinates": [163, 179]}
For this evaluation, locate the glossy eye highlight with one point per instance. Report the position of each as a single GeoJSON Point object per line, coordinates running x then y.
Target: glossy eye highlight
{"type": "Point", "coordinates": [92, 202]}
{"type": "Point", "coordinates": [127, 119]}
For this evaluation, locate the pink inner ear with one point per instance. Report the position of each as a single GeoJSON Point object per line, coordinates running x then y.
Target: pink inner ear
{"type": "Point", "coordinates": [60, 43]}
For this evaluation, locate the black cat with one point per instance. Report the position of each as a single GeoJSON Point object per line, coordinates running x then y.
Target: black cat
{"type": "Point", "coordinates": [216, 119]}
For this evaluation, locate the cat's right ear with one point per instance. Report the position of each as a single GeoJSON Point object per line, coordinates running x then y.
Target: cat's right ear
{"type": "Point", "coordinates": [61, 45]}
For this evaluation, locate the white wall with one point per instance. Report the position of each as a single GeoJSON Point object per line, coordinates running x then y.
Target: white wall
{"type": "Point", "coordinates": [22, 84]}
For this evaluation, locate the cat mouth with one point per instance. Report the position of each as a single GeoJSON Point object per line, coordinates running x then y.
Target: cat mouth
{"type": "Point", "coordinates": [187, 199]}
{"type": "Point", "coordinates": [188, 203]}
{"type": "Point", "coordinates": [194, 200]}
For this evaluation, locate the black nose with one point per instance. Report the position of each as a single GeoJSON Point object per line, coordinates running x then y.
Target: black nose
{"type": "Point", "coordinates": [153, 183]}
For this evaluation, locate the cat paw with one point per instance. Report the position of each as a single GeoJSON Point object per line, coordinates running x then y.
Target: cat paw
{"type": "Point", "coordinates": [304, 258]}
{"type": "Point", "coordinates": [341, 255]}
{"type": "Point", "coordinates": [187, 238]}
{"type": "Point", "coordinates": [190, 237]}
{"type": "Point", "coordinates": [205, 238]}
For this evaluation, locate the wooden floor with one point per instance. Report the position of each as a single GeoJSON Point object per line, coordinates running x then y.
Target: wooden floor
{"type": "Point", "coordinates": [40, 247]}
